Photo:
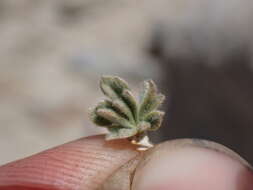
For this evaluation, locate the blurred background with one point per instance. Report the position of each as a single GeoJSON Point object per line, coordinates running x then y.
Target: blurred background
{"type": "Point", "coordinates": [53, 53]}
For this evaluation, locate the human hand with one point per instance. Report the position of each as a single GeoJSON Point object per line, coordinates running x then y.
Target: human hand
{"type": "Point", "coordinates": [91, 164]}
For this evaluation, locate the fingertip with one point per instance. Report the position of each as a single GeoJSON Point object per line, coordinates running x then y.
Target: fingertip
{"type": "Point", "coordinates": [82, 164]}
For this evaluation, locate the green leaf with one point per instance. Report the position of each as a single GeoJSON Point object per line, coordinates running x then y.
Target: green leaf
{"type": "Point", "coordinates": [143, 126]}
{"type": "Point", "coordinates": [121, 107]}
{"type": "Point", "coordinates": [158, 100]}
{"type": "Point", "coordinates": [113, 117]}
{"type": "Point", "coordinates": [150, 100]}
{"type": "Point", "coordinates": [122, 115]}
{"type": "Point", "coordinates": [113, 86]}
{"type": "Point", "coordinates": [120, 133]}
{"type": "Point", "coordinates": [131, 102]}
{"type": "Point", "coordinates": [98, 120]}
{"type": "Point", "coordinates": [155, 119]}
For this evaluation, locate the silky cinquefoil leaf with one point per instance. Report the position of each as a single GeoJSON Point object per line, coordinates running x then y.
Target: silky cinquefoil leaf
{"type": "Point", "coordinates": [158, 100]}
{"type": "Point", "coordinates": [144, 126]}
{"type": "Point", "coordinates": [113, 117]}
{"type": "Point", "coordinates": [120, 106]}
{"type": "Point", "coordinates": [122, 115]}
{"type": "Point", "coordinates": [113, 86]}
{"type": "Point", "coordinates": [104, 104]}
{"type": "Point", "coordinates": [120, 133]}
{"type": "Point", "coordinates": [155, 119]}
{"type": "Point", "coordinates": [148, 98]}
{"type": "Point", "coordinates": [131, 102]}
{"type": "Point", "coordinates": [98, 120]}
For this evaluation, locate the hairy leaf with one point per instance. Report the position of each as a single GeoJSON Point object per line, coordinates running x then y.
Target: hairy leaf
{"type": "Point", "coordinates": [113, 117]}
{"type": "Point", "coordinates": [131, 102]}
{"type": "Point", "coordinates": [113, 86]}
{"type": "Point", "coordinates": [98, 120]}
{"type": "Point", "coordinates": [123, 109]}
{"type": "Point", "coordinates": [120, 133]}
{"type": "Point", "coordinates": [149, 99]}
{"type": "Point", "coordinates": [155, 119]}
{"type": "Point", "coordinates": [122, 115]}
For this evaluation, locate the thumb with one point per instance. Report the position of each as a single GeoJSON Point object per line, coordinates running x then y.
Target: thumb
{"type": "Point", "coordinates": [193, 165]}
{"type": "Point", "coordinates": [189, 165]}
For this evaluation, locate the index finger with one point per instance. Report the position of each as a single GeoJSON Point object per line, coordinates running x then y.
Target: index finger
{"type": "Point", "coordinates": [82, 164]}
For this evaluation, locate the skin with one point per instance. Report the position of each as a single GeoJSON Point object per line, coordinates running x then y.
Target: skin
{"type": "Point", "coordinates": [91, 164]}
